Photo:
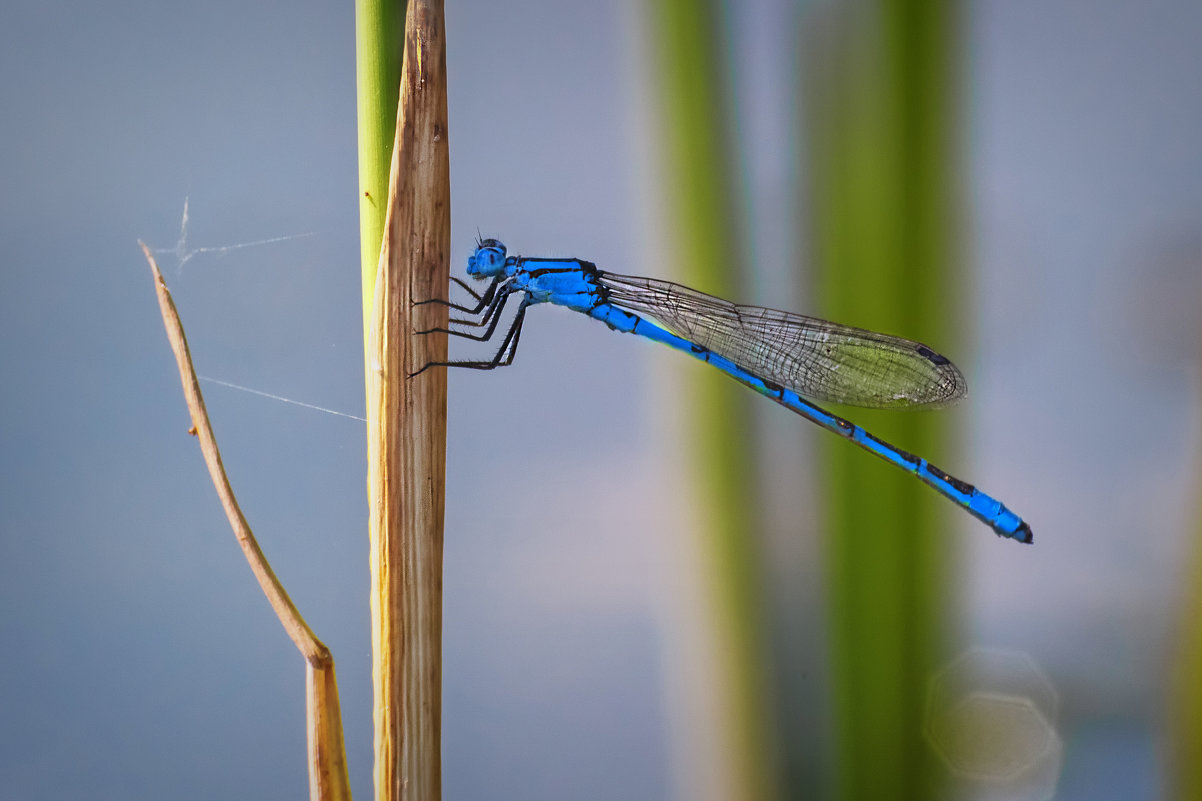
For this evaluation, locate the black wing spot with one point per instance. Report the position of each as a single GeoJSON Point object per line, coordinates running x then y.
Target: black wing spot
{"type": "Point", "coordinates": [931, 356]}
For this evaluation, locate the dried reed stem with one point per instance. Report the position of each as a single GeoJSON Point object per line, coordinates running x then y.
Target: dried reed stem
{"type": "Point", "coordinates": [407, 427]}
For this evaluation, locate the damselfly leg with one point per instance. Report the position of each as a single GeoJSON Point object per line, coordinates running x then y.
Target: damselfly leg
{"type": "Point", "coordinates": [490, 318]}
{"type": "Point", "coordinates": [483, 299]}
{"type": "Point", "coordinates": [505, 353]}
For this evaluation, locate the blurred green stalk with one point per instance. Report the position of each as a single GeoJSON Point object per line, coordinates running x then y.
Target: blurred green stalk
{"type": "Point", "coordinates": [1185, 694]}
{"type": "Point", "coordinates": [883, 137]}
{"type": "Point", "coordinates": [686, 36]}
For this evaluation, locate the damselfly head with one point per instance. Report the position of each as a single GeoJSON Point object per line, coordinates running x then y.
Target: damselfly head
{"type": "Point", "coordinates": [487, 260]}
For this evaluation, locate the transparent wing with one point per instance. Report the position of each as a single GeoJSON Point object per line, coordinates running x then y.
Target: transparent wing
{"type": "Point", "coordinates": [820, 360]}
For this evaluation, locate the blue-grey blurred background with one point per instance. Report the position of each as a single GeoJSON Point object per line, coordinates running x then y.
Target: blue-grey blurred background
{"type": "Point", "coordinates": [141, 660]}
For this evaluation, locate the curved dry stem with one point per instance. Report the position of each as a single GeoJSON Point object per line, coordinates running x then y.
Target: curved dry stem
{"type": "Point", "coordinates": [406, 426]}
{"type": "Point", "coordinates": [327, 754]}
{"type": "Point", "coordinates": [314, 650]}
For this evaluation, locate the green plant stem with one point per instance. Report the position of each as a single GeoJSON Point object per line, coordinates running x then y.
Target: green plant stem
{"type": "Point", "coordinates": [378, 52]}
{"type": "Point", "coordinates": [1185, 693]}
{"type": "Point", "coordinates": [883, 199]}
{"type": "Point", "coordinates": [699, 175]}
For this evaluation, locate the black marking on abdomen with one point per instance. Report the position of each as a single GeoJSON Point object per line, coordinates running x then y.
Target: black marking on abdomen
{"type": "Point", "coordinates": [962, 486]}
{"type": "Point", "coordinates": [774, 390]}
{"type": "Point", "coordinates": [906, 456]}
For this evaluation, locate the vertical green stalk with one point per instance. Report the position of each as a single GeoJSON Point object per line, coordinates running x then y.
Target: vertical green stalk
{"type": "Point", "coordinates": [1185, 697]}
{"type": "Point", "coordinates": [884, 195]}
{"type": "Point", "coordinates": [378, 49]}
{"type": "Point", "coordinates": [695, 117]}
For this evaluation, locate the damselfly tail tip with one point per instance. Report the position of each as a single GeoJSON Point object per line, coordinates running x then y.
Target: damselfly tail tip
{"type": "Point", "coordinates": [1023, 534]}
